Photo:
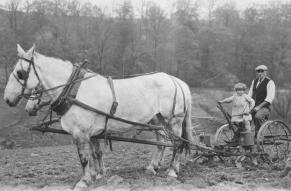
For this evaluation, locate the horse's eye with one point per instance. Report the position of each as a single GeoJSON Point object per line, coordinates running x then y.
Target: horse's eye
{"type": "Point", "coordinates": [22, 75]}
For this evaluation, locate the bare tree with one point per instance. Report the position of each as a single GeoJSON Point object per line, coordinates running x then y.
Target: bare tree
{"type": "Point", "coordinates": [74, 7]}
{"type": "Point", "coordinates": [153, 24]}
{"type": "Point", "coordinates": [13, 8]}
{"type": "Point", "coordinates": [102, 45]}
{"type": "Point", "coordinates": [211, 5]}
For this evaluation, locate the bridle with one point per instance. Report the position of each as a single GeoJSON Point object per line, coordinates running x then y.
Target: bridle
{"type": "Point", "coordinates": [39, 90]}
{"type": "Point", "coordinates": [25, 75]}
{"type": "Point", "coordinates": [37, 94]}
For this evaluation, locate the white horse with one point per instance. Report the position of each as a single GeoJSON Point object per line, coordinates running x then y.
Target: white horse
{"type": "Point", "coordinates": [141, 99]}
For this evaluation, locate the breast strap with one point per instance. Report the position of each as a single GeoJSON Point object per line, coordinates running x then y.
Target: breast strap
{"type": "Point", "coordinates": [62, 105]}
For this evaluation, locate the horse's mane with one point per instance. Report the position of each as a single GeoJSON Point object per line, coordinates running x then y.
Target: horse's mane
{"type": "Point", "coordinates": [52, 60]}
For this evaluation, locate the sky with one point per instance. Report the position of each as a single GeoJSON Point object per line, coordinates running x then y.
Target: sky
{"type": "Point", "coordinates": [167, 5]}
{"type": "Point", "coordinates": [111, 5]}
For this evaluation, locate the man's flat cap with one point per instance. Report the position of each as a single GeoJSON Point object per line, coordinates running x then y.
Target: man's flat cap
{"type": "Point", "coordinates": [261, 67]}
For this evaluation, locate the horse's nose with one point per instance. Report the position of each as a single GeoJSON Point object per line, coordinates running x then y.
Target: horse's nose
{"type": "Point", "coordinates": [9, 103]}
{"type": "Point", "coordinates": [32, 113]}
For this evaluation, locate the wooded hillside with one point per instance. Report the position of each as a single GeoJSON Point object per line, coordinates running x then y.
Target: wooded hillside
{"type": "Point", "coordinates": [213, 51]}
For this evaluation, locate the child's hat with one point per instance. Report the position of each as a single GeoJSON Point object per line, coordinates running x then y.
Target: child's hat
{"type": "Point", "coordinates": [240, 86]}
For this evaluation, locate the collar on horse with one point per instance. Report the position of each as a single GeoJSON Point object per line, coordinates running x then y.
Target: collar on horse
{"type": "Point", "coordinates": [68, 95]}
{"type": "Point", "coordinates": [61, 105]}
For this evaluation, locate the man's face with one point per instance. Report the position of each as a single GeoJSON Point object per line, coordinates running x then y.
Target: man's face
{"type": "Point", "coordinates": [261, 73]}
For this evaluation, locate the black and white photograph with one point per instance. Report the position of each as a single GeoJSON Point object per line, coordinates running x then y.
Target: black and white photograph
{"type": "Point", "coordinates": [145, 95]}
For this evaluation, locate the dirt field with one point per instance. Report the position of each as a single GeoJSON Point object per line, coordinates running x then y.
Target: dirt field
{"type": "Point", "coordinates": [58, 168]}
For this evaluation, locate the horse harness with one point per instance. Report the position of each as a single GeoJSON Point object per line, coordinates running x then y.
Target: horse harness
{"type": "Point", "coordinates": [61, 105]}
{"type": "Point", "coordinates": [23, 75]}
{"type": "Point", "coordinates": [67, 97]}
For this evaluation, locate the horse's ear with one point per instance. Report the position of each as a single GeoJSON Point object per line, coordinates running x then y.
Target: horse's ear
{"type": "Point", "coordinates": [20, 51]}
{"type": "Point", "coordinates": [31, 51]}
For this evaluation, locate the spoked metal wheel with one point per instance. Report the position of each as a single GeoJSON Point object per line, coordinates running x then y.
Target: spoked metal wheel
{"type": "Point", "coordinates": [274, 138]}
{"type": "Point", "coordinates": [223, 135]}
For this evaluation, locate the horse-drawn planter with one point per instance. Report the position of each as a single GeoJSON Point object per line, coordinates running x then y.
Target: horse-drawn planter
{"type": "Point", "coordinates": [92, 107]}
{"type": "Point", "coordinates": [272, 143]}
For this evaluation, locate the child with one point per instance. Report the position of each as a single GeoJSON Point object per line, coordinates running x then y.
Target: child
{"type": "Point", "coordinates": [242, 104]}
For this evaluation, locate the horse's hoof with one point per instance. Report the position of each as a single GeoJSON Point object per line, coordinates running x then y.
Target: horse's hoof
{"type": "Point", "coordinates": [172, 173]}
{"type": "Point", "coordinates": [81, 186]}
{"type": "Point", "coordinates": [177, 169]}
{"type": "Point", "coordinates": [150, 170]}
{"type": "Point", "coordinates": [103, 171]}
{"type": "Point", "coordinates": [99, 176]}
{"type": "Point", "coordinates": [255, 161]}
{"type": "Point", "coordinates": [156, 168]}
{"type": "Point", "coordinates": [77, 188]}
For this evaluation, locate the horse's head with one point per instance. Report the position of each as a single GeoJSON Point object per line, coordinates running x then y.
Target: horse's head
{"type": "Point", "coordinates": [36, 101]}
{"type": "Point", "coordinates": [23, 78]}
{"type": "Point", "coordinates": [33, 103]}
{"type": "Point", "coordinates": [32, 106]}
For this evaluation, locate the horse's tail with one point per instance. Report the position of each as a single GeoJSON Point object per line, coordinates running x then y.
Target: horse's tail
{"type": "Point", "coordinates": [187, 129]}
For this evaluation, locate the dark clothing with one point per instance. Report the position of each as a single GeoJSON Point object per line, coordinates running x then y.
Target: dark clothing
{"type": "Point", "coordinates": [259, 95]}
{"type": "Point", "coordinates": [260, 92]}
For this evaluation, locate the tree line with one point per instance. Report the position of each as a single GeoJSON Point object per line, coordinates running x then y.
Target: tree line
{"type": "Point", "coordinates": [216, 50]}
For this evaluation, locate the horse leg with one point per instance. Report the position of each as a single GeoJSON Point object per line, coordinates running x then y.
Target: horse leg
{"type": "Point", "coordinates": [187, 125]}
{"type": "Point", "coordinates": [97, 156]}
{"type": "Point", "coordinates": [175, 162]}
{"type": "Point", "coordinates": [156, 158]}
{"type": "Point", "coordinates": [161, 155]}
{"type": "Point", "coordinates": [158, 154]}
{"type": "Point", "coordinates": [186, 133]}
{"type": "Point", "coordinates": [175, 124]}
{"type": "Point", "coordinates": [89, 172]}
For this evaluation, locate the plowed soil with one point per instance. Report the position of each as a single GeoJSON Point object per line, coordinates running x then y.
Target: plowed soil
{"type": "Point", "coordinates": [58, 168]}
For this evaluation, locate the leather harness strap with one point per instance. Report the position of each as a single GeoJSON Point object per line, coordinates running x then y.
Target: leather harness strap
{"type": "Point", "coordinates": [183, 93]}
{"type": "Point", "coordinates": [112, 110]}
{"type": "Point", "coordinates": [175, 96]}
{"type": "Point", "coordinates": [115, 103]}
{"type": "Point", "coordinates": [61, 105]}
{"type": "Point", "coordinates": [66, 100]}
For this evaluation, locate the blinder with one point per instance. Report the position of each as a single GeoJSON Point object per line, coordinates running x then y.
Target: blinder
{"type": "Point", "coordinates": [22, 74]}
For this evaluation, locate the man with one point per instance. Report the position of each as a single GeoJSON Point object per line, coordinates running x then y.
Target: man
{"type": "Point", "coordinates": [262, 90]}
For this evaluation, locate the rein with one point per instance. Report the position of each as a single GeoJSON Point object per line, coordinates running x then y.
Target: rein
{"type": "Point", "coordinates": [65, 100]}
{"type": "Point", "coordinates": [28, 96]}
{"type": "Point", "coordinates": [40, 91]}
{"type": "Point", "coordinates": [85, 106]}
